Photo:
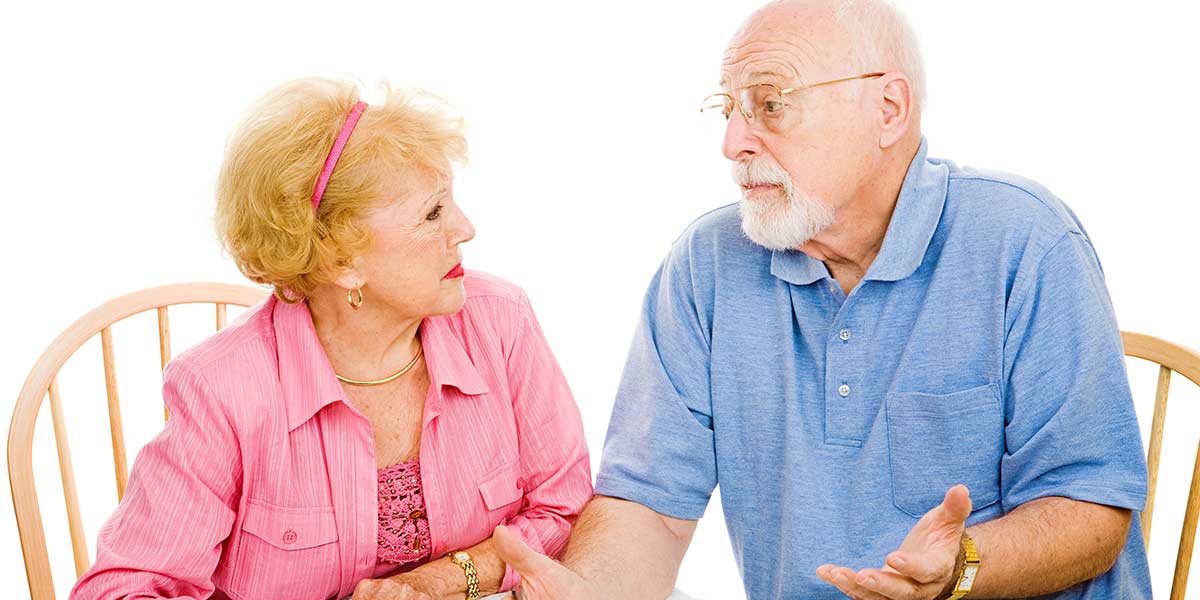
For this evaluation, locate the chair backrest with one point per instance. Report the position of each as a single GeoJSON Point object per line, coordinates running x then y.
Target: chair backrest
{"type": "Point", "coordinates": [1171, 358]}
{"type": "Point", "coordinates": [42, 381]}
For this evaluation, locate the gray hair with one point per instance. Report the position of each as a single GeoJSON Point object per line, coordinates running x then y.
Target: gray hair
{"type": "Point", "coordinates": [883, 39]}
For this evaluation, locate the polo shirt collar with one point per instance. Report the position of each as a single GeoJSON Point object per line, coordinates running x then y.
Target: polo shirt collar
{"type": "Point", "coordinates": [914, 221]}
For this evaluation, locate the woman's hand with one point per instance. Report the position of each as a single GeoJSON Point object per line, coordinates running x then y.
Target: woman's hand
{"type": "Point", "coordinates": [388, 589]}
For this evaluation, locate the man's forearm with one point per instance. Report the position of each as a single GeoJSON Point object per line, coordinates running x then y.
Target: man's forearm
{"type": "Point", "coordinates": [627, 550]}
{"type": "Point", "coordinates": [1047, 545]}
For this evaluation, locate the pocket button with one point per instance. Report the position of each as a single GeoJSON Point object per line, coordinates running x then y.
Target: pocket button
{"type": "Point", "coordinates": [289, 537]}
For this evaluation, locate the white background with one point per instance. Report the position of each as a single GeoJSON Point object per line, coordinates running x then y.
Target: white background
{"type": "Point", "coordinates": [588, 159]}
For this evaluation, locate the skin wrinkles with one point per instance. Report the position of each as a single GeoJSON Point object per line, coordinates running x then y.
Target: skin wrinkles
{"type": "Point", "coordinates": [775, 62]}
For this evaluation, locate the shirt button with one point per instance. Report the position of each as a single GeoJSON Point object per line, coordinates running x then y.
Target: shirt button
{"type": "Point", "coordinates": [289, 537]}
{"type": "Point", "coordinates": [521, 482]}
{"type": "Point", "coordinates": [843, 390]}
{"type": "Point", "coordinates": [844, 335]}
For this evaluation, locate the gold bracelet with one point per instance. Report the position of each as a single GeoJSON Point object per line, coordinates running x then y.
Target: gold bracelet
{"type": "Point", "coordinates": [970, 569]}
{"type": "Point", "coordinates": [462, 559]}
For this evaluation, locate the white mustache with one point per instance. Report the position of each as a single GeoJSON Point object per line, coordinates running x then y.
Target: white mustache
{"type": "Point", "coordinates": [761, 171]}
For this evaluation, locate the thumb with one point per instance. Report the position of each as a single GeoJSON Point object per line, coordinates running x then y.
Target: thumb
{"type": "Point", "coordinates": [956, 506]}
{"type": "Point", "coordinates": [514, 552]}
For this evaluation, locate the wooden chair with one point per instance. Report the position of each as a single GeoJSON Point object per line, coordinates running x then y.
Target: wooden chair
{"type": "Point", "coordinates": [1170, 358]}
{"type": "Point", "coordinates": [42, 381]}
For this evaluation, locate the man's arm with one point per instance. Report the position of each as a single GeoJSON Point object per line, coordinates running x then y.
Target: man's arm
{"type": "Point", "coordinates": [1041, 547]}
{"type": "Point", "coordinates": [618, 549]}
{"type": "Point", "coordinates": [1047, 545]}
{"type": "Point", "coordinates": [628, 549]}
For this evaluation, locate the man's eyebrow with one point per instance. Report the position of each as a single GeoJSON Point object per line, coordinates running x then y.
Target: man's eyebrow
{"type": "Point", "coordinates": [724, 83]}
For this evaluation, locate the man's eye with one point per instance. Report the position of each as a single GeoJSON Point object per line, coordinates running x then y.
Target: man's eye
{"type": "Point", "coordinates": [434, 214]}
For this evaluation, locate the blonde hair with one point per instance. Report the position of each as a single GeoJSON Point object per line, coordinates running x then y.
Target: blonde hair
{"type": "Point", "coordinates": [264, 215]}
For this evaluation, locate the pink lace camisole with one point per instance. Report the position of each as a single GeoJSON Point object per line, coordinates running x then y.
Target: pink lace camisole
{"type": "Point", "coordinates": [403, 525]}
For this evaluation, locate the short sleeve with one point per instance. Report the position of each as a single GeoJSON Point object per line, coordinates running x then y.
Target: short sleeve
{"type": "Point", "coordinates": [1070, 426]}
{"type": "Point", "coordinates": [659, 451]}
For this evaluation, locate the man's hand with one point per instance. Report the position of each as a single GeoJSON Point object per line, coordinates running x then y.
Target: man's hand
{"type": "Point", "coordinates": [924, 566]}
{"type": "Point", "coordinates": [541, 577]}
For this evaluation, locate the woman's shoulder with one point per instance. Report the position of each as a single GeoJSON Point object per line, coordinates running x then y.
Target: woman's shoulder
{"type": "Point", "coordinates": [495, 308]}
{"type": "Point", "coordinates": [245, 345]}
{"type": "Point", "coordinates": [486, 287]}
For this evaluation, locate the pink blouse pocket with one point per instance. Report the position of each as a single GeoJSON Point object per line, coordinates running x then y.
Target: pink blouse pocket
{"type": "Point", "coordinates": [286, 552]}
{"type": "Point", "coordinates": [501, 487]}
{"type": "Point", "coordinates": [290, 528]}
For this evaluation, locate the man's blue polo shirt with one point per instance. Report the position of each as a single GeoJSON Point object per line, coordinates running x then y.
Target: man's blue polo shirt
{"type": "Point", "coordinates": [980, 348]}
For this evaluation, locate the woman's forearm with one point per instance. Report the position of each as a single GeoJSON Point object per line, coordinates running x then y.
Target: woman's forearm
{"type": "Point", "coordinates": [445, 580]}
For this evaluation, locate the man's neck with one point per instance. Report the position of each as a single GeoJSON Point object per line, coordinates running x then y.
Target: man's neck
{"type": "Point", "coordinates": [850, 245]}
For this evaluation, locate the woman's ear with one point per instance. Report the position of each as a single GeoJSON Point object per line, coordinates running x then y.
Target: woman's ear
{"type": "Point", "coordinates": [349, 276]}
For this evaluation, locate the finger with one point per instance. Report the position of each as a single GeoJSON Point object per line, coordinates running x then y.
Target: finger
{"type": "Point", "coordinates": [956, 505]}
{"type": "Point", "coordinates": [891, 585]}
{"type": "Point", "coordinates": [513, 551]}
{"type": "Point", "coordinates": [365, 590]}
{"type": "Point", "coordinates": [921, 567]}
{"type": "Point", "coordinates": [402, 591]}
{"type": "Point", "coordinates": [393, 590]}
{"type": "Point", "coordinates": [844, 579]}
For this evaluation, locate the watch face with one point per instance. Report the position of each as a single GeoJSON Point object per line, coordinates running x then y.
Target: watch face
{"type": "Point", "coordinates": [462, 556]}
{"type": "Point", "coordinates": [968, 578]}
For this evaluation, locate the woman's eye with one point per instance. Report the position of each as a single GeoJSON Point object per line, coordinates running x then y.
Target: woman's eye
{"type": "Point", "coordinates": [434, 214]}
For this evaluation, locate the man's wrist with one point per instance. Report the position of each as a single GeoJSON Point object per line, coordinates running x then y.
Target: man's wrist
{"type": "Point", "coordinates": [960, 561]}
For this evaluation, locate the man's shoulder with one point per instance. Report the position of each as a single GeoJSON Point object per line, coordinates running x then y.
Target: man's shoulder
{"type": "Point", "coordinates": [715, 235]}
{"type": "Point", "coordinates": [995, 203]}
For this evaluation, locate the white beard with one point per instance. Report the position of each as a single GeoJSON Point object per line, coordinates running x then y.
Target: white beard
{"type": "Point", "coordinates": [778, 221]}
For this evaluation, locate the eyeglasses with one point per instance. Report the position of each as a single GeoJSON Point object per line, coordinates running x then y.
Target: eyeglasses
{"type": "Point", "coordinates": [763, 105]}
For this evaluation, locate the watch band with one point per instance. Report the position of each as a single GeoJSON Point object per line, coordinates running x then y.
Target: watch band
{"type": "Point", "coordinates": [970, 569]}
{"type": "Point", "coordinates": [463, 560]}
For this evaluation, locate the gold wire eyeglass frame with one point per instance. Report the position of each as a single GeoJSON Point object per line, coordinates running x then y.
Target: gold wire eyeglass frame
{"type": "Point", "coordinates": [727, 101]}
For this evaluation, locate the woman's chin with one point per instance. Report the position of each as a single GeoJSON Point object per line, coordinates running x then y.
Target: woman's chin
{"type": "Point", "coordinates": [452, 299]}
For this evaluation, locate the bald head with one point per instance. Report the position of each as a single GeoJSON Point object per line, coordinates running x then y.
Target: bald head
{"type": "Point", "coordinates": [829, 94]}
{"type": "Point", "coordinates": [835, 38]}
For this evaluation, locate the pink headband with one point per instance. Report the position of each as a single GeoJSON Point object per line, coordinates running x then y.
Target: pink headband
{"type": "Point", "coordinates": [336, 152]}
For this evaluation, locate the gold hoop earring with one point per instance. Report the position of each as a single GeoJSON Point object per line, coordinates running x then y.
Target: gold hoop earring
{"type": "Point", "coordinates": [354, 302]}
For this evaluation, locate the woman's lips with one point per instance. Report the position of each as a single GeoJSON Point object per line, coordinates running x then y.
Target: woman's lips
{"type": "Point", "coordinates": [454, 273]}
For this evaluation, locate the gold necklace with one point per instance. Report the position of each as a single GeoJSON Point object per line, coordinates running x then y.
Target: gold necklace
{"type": "Point", "coordinates": [412, 363]}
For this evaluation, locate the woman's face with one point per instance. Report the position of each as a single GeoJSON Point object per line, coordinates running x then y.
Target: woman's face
{"type": "Point", "coordinates": [414, 263]}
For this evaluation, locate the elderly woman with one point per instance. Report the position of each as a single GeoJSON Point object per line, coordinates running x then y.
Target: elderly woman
{"type": "Point", "coordinates": [367, 427]}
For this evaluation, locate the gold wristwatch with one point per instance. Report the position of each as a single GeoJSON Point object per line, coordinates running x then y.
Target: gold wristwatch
{"type": "Point", "coordinates": [463, 560]}
{"type": "Point", "coordinates": [970, 568]}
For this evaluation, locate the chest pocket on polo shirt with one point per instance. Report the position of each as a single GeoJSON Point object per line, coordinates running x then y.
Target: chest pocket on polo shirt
{"type": "Point", "coordinates": [286, 552]}
{"type": "Point", "coordinates": [936, 441]}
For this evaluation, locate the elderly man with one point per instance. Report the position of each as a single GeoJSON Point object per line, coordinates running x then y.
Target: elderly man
{"type": "Point", "coordinates": [905, 375]}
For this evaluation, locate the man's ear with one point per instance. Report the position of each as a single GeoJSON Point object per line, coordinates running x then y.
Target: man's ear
{"type": "Point", "coordinates": [896, 109]}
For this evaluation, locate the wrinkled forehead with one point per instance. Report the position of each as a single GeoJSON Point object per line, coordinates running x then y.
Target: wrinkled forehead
{"type": "Point", "coordinates": [786, 44]}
